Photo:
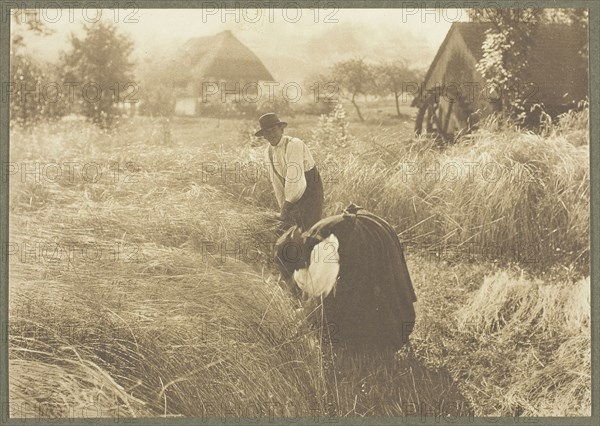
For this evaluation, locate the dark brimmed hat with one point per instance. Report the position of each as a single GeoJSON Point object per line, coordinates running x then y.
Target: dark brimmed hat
{"type": "Point", "coordinates": [267, 121]}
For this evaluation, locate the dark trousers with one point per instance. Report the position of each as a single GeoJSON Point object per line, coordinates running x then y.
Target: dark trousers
{"type": "Point", "coordinates": [309, 208]}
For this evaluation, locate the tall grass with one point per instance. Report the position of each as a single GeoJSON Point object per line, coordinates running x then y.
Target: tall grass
{"type": "Point", "coordinates": [500, 194]}
{"type": "Point", "coordinates": [153, 292]}
{"type": "Point", "coordinates": [185, 332]}
{"type": "Point", "coordinates": [510, 196]}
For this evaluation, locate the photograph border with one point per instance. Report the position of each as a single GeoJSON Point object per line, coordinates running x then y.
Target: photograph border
{"type": "Point", "coordinates": [594, 122]}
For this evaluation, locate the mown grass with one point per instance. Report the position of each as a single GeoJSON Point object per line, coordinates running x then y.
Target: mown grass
{"type": "Point", "coordinates": [137, 298]}
{"type": "Point", "coordinates": [524, 328]}
{"type": "Point", "coordinates": [182, 314]}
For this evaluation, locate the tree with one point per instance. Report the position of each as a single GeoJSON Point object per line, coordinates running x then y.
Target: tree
{"type": "Point", "coordinates": [35, 93]}
{"type": "Point", "coordinates": [507, 46]}
{"type": "Point", "coordinates": [28, 76]}
{"type": "Point", "coordinates": [506, 50]}
{"type": "Point", "coordinates": [395, 78]}
{"type": "Point", "coordinates": [99, 67]}
{"type": "Point", "coordinates": [28, 19]}
{"type": "Point", "coordinates": [323, 92]}
{"type": "Point", "coordinates": [157, 97]}
{"type": "Point", "coordinates": [354, 77]}
{"type": "Point", "coordinates": [578, 19]}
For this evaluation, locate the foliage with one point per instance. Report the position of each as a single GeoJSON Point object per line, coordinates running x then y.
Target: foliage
{"type": "Point", "coordinates": [395, 78]}
{"type": "Point", "coordinates": [34, 91]}
{"type": "Point", "coordinates": [156, 95]}
{"type": "Point", "coordinates": [277, 104]}
{"type": "Point", "coordinates": [506, 50]}
{"type": "Point", "coordinates": [32, 20]}
{"type": "Point", "coordinates": [100, 64]}
{"type": "Point", "coordinates": [33, 88]}
{"type": "Point", "coordinates": [322, 94]}
{"type": "Point", "coordinates": [354, 77]}
{"type": "Point", "coordinates": [507, 47]}
{"type": "Point", "coordinates": [332, 129]}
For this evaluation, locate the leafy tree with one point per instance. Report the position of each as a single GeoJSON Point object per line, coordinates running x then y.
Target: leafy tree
{"type": "Point", "coordinates": [506, 50]}
{"type": "Point", "coordinates": [35, 93]}
{"type": "Point", "coordinates": [157, 96]}
{"type": "Point", "coordinates": [323, 93]}
{"type": "Point", "coordinates": [354, 77]}
{"type": "Point", "coordinates": [29, 20]}
{"type": "Point", "coordinates": [26, 77]}
{"type": "Point", "coordinates": [29, 77]}
{"type": "Point", "coordinates": [507, 46]}
{"type": "Point", "coordinates": [395, 78]}
{"type": "Point", "coordinates": [99, 66]}
{"type": "Point", "coordinates": [578, 18]}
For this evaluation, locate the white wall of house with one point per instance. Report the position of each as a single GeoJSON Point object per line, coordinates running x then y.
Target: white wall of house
{"type": "Point", "coordinates": [185, 106]}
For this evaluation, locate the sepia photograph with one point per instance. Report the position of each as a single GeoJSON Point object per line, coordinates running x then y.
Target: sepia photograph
{"type": "Point", "coordinates": [278, 214]}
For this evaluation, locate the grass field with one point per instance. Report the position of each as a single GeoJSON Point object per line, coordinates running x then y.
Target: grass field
{"type": "Point", "coordinates": [142, 282]}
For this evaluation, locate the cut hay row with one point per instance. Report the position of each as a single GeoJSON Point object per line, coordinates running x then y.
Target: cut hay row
{"type": "Point", "coordinates": [79, 388]}
{"type": "Point", "coordinates": [174, 342]}
{"type": "Point", "coordinates": [174, 330]}
{"type": "Point", "coordinates": [535, 338]}
{"type": "Point", "coordinates": [131, 281]}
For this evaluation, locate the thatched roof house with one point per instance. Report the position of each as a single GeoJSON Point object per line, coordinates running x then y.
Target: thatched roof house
{"type": "Point", "coordinates": [221, 58]}
{"type": "Point", "coordinates": [556, 76]}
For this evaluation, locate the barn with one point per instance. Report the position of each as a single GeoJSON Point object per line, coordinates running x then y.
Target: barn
{"type": "Point", "coordinates": [205, 65]}
{"type": "Point", "coordinates": [454, 95]}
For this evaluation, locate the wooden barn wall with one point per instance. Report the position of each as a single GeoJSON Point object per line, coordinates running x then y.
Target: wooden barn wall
{"type": "Point", "coordinates": [456, 65]}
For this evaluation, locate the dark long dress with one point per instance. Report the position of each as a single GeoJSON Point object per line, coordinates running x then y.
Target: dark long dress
{"type": "Point", "coordinates": [371, 306]}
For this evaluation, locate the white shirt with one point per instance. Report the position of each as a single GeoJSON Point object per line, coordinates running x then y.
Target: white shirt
{"type": "Point", "coordinates": [291, 159]}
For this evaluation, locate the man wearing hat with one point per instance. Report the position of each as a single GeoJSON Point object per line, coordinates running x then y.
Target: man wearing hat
{"type": "Point", "coordinates": [293, 173]}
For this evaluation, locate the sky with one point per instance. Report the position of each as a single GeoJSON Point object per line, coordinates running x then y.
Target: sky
{"type": "Point", "coordinates": [270, 33]}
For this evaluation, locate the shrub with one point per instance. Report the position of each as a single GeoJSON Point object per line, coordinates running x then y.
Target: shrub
{"type": "Point", "coordinates": [332, 129]}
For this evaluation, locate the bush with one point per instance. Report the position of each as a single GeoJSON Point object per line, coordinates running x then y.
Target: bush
{"type": "Point", "coordinates": [332, 129]}
{"type": "Point", "coordinates": [278, 104]}
{"type": "Point", "coordinates": [34, 96]}
{"type": "Point", "coordinates": [156, 100]}
{"type": "Point", "coordinates": [318, 107]}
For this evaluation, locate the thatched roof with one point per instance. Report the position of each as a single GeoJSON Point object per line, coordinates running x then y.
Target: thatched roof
{"type": "Point", "coordinates": [555, 66]}
{"type": "Point", "coordinates": [221, 57]}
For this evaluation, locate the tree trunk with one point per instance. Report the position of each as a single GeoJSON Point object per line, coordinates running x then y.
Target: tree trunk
{"type": "Point", "coordinates": [396, 96]}
{"type": "Point", "coordinates": [356, 107]}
